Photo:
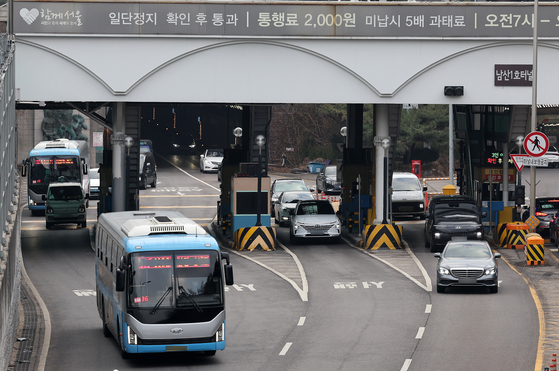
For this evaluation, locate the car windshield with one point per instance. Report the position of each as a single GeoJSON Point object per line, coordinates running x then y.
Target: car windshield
{"type": "Point", "coordinates": [94, 174]}
{"type": "Point", "coordinates": [467, 251]}
{"type": "Point", "coordinates": [315, 208]}
{"type": "Point", "coordinates": [65, 193]}
{"type": "Point", "coordinates": [290, 186]}
{"type": "Point", "coordinates": [330, 171]}
{"type": "Point", "coordinates": [294, 197]}
{"type": "Point", "coordinates": [405, 184]}
{"type": "Point", "coordinates": [456, 211]}
{"type": "Point", "coordinates": [548, 204]}
{"type": "Point", "coordinates": [215, 154]}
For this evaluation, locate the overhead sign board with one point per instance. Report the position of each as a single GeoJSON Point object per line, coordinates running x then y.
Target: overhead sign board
{"type": "Point", "coordinates": [513, 75]}
{"type": "Point", "coordinates": [536, 144]}
{"type": "Point", "coordinates": [412, 20]}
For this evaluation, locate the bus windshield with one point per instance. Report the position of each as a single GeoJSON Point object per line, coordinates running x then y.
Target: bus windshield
{"type": "Point", "coordinates": [44, 169]}
{"type": "Point", "coordinates": [175, 279]}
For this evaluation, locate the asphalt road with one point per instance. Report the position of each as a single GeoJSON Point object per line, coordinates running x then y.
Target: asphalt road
{"type": "Point", "coordinates": [361, 314]}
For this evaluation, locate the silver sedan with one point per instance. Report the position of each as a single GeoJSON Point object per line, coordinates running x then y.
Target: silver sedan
{"type": "Point", "coordinates": [286, 203]}
{"type": "Point", "coordinates": [313, 220]}
{"type": "Point", "coordinates": [467, 263]}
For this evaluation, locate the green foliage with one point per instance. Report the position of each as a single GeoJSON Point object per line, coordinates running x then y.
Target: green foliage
{"type": "Point", "coordinates": [425, 126]}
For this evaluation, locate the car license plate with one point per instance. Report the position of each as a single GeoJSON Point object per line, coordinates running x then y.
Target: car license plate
{"type": "Point", "coordinates": [317, 233]}
{"type": "Point", "coordinates": [467, 281]}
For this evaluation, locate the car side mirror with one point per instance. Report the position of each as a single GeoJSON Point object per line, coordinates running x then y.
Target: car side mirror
{"type": "Point", "coordinates": [424, 189]}
{"type": "Point", "coordinates": [497, 255]}
{"type": "Point", "coordinates": [484, 214]}
{"type": "Point", "coordinates": [311, 189]}
{"type": "Point", "coordinates": [437, 255]}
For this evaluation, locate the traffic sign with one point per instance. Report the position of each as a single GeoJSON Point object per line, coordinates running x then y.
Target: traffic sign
{"type": "Point", "coordinates": [536, 144]}
{"type": "Point", "coordinates": [524, 160]}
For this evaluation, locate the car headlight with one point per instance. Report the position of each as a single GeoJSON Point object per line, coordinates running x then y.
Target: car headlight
{"type": "Point", "coordinates": [479, 234]}
{"type": "Point", "coordinates": [443, 270]}
{"type": "Point", "coordinates": [337, 225]}
{"type": "Point", "coordinates": [50, 210]}
{"type": "Point", "coordinates": [489, 271]}
{"type": "Point", "coordinates": [81, 209]}
{"type": "Point", "coordinates": [421, 206]}
{"type": "Point", "coordinates": [176, 145]}
{"type": "Point", "coordinates": [296, 226]}
{"type": "Point", "coordinates": [437, 235]}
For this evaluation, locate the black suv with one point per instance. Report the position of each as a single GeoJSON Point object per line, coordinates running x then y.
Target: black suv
{"type": "Point", "coordinates": [452, 216]}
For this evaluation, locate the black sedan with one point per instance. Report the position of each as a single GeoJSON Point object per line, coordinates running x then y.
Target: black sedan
{"type": "Point", "coordinates": [546, 208]}
{"type": "Point", "coordinates": [467, 263]}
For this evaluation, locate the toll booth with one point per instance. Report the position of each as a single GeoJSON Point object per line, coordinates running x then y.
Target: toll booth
{"type": "Point", "coordinates": [232, 157]}
{"type": "Point", "coordinates": [244, 197]}
{"type": "Point", "coordinates": [492, 191]}
{"type": "Point", "coordinates": [357, 163]}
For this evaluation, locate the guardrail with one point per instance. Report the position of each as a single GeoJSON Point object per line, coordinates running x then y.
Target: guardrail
{"type": "Point", "coordinates": [9, 246]}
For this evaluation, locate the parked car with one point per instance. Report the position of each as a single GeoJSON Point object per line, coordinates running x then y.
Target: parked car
{"type": "Point", "coordinates": [467, 263]}
{"type": "Point", "coordinates": [210, 160]}
{"type": "Point", "coordinates": [183, 143]}
{"type": "Point", "coordinates": [94, 182]}
{"type": "Point", "coordinates": [284, 185]}
{"type": "Point", "coordinates": [451, 216]}
{"type": "Point", "coordinates": [148, 170]}
{"type": "Point", "coordinates": [287, 202]}
{"type": "Point", "coordinates": [314, 219]}
{"type": "Point", "coordinates": [408, 195]}
{"type": "Point", "coordinates": [327, 180]}
{"type": "Point", "coordinates": [65, 202]}
{"type": "Point", "coordinates": [546, 208]}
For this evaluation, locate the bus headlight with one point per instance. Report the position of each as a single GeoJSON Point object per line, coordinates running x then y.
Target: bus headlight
{"type": "Point", "coordinates": [132, 338]}
{"type": "Point", "coordinates": [219, 334]}
{"type": "Point", "coordinates": [81, 209]}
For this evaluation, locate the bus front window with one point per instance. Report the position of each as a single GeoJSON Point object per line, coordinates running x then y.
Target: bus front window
{"type": "Point", "coordinates": [150, 279]}
{"type": "Point", "coordinates": [198, 279]}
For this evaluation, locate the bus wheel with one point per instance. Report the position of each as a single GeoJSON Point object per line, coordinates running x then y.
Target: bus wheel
{"type": "Point", "coordinates": [209, 352]}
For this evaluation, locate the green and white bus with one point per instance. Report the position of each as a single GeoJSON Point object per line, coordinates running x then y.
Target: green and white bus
{"type": "Point", "coordinates": [160, 283]}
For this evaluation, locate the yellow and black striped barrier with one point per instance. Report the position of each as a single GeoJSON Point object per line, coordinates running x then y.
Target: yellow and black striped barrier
{"type": "Point", "coordinates": [251, 238]}
{"type": "Point", "coordinates": [516, 235]}
{"type": "Point", "coordinates": [382, 236]}
{"type": "Point", "coordinates": [500, 235]}
{"type": "Point", "coordinates": [534, 250]}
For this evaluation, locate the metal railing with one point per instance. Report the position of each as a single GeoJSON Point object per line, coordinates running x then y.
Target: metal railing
{"type": "Point", "coordinates": [10, 254]}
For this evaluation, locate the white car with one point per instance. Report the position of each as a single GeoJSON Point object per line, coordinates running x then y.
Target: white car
{"type": "Point", "coordinates": [314, 219]}
{"type": "Point", "coordinates": [210, 160]}
{"type": "Point", "coordinates": [94, 183]}
{"type": "Point", "coordinates": [552, 156]}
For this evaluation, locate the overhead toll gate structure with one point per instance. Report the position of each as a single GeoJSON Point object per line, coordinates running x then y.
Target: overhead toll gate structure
{"type": "Point", "coordinates": [474, 56]}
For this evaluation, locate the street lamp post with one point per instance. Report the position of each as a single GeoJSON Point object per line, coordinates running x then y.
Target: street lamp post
{"type": "Point", "coordinates": [128, 142]}
{"type": "Point", "coordinates": [260, 141]}
{"type": "Point", "coordinates": [385, 144]}
{"type": "Point", "coordinates": [343, 133]}
{"type": "Point", "coordinates": [237, 132]}
{"type": "Point", "coordinates": [519, 141]}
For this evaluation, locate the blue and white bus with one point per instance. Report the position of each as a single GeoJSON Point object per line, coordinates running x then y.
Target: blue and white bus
{"type": "Point", "coordinates": [50, 160]}
{"type": "Point", "coordinates": [160, 283]}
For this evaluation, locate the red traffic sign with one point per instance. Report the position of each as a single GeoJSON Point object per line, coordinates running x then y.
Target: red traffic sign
{"type": "Point", "coordinates": [536, 144]}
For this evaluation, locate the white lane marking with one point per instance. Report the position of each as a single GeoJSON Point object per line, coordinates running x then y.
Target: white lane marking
{"type": "Point", "coordinates": [427, 287]}
{"type": "Point", "coordinates": [301, 321]}
{"type": "Point", "coordinates": [190, 175]}
{"type": "Point", "coordinates": [406, 365]}
{"type": "Point", "coordinates": [420, 332]}
{"type": "Point", "coordinates": [304, 293]}
{"type": "Point", "coordinates": [428, 308]}
{"type": "Point", "coordinates": [285, 349]}
{"type": "Point", "coordinates": [421, 268]}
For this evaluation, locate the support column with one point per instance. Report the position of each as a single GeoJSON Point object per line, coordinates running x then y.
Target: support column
{"type": "Point", "coordinates": [505, 174]}
{"type": "Point", "coordinates": [119, 160]}
{"type": "Point", "coordinates": [355, 126]}
{"type": "Point", "coordinates": [381, 130]}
